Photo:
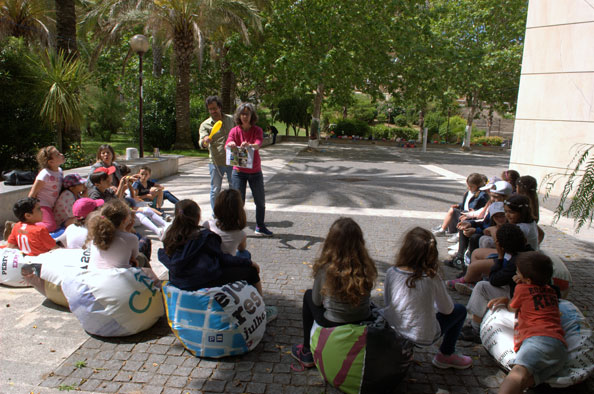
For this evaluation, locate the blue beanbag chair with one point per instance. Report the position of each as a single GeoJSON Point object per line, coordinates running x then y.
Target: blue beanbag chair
{"type": "Point", "coordinates": [218, 321]}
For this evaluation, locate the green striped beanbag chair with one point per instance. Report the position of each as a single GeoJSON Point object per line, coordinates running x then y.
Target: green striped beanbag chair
{"type": "Point", "coordinates": [366, 358]}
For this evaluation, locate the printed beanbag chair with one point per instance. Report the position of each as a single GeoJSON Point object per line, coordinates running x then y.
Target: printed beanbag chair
{"type": "Point", "coordinates": [218, 321]}
{"type": "Point", "coordinates": [361, 358]}
{"type": "Point", "coordinates": [561, 275]}
{"type": "Point", "coordinates": [497, 335]}
{"type": "Point", "coordinates": [12, 260]}
{"type": "Point", "coordinates": [55, 266]}
{"type": "Point", "coordinates": [113, 302]}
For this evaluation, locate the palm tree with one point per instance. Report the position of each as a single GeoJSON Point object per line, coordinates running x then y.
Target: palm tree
{"type": "Point", "coordinates": [24, 18]}
{"type": "Point", "coordinates": [187, 23]}
{"type": "Point", "coordinates": [63, 78]}
{"type": "Point", "coordinates": [66, 27]}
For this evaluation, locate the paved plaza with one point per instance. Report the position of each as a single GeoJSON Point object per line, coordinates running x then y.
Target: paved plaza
{"type": "Point", "coordinates": [387, 190]}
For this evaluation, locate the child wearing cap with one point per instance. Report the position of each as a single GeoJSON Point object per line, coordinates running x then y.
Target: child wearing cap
{"type": "Point", "coordinates": [497, 215]}
{"type": "Point", "coordinates": [101, 180]}
{"type": "Point", "coordinates": [73, 189]}
{"type": "Point", "coordinates": [75, 236]}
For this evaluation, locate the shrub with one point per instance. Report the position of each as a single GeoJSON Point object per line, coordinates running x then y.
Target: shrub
{"type": "Point", "coordinates": [22, 132]}
{"type": "Point", "coordinates": [493, 141]}
{"type": "Point", "coordinates": [401, 120]}
{"type": "Point", "coordinates": [432, 122]}
{"type": "Point", "coordinates": [106, 113]}
{"type": "Point", "coordinates": [76, 157]}
{"type": "Point", "coordinates": [381, 131]}
{"type": "Point", "coordinates": [159, 112]}
{"type": "Point", "coordinates": [365, 114]}
{"type": "Point", "coordinates": [263, 121]}
{"type": "Point", "coordinates": [352, 127]}
{"type": "Point", "coordinates": [456, 129]}
{"type": "Point", "coordinates": [198, 114]}
{"type": "Point", "coordinates": [407, 133]}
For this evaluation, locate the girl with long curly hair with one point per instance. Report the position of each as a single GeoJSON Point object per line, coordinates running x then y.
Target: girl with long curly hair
{"type": "Point", "coordinates": [344, 275]}
{"type": "Point", "coordinates": [416, 301]}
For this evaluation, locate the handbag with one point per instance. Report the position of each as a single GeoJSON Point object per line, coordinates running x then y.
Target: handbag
{"type": "Point", "coordinates": [18, 177]}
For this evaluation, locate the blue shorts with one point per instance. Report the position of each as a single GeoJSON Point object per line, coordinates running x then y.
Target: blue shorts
{"type": "Point", "coordinates": [543, 357]}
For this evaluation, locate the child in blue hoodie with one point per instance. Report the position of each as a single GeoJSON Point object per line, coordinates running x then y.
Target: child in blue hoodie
{"type": "Point", "coordinates": [194, 257]}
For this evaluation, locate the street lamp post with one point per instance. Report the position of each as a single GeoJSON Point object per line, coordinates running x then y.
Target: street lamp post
{"type": "Point", "coordinates": [140, 45]}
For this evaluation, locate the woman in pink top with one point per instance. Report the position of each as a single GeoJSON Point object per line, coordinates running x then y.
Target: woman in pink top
{"type": "Point", "coordinates": [249, 136]}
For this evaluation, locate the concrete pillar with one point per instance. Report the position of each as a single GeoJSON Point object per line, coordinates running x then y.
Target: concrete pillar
{"type": "Point", "coordinates": [556, 96]}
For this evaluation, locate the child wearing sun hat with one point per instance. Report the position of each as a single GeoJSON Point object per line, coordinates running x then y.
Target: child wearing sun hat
{"type": "Point", "coordinates": [73, 188]}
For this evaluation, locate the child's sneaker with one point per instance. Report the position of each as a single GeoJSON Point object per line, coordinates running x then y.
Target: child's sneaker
{"type": "Point", "coordinates": [305, 358]}
{"type": "Point", "coordinates": [271, 313]}
{"type": "Point", "coordinates": [464, 288]}
{"type": "Point", "coordinates": [454, 238]}
{"type": "Point", "coordinates": [451, 284]}
{"type": "Point", "coordinates": [454, 360]}
{"type": "Point", "coordinates": [440, 232]}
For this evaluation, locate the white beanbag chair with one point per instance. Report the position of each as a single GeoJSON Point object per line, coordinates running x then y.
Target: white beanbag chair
{"type": "Point", "coordinates": [561, 275]}
{"type": "Point", "coordinates": [216, 322]}
{"type": "Point", "coordinates": [113, 302]}
{"type": "Point", "coordinates": [56, 265]}
{"type": "Point", "coordinates": [11, 261]}
{"type": "Point", "coordinates": [497, 335]}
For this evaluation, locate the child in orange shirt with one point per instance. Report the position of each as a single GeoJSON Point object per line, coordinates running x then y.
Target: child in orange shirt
{"type": "Point", "coordinates": [31, 238]}
{"type": "Point", "coordinates": [539, 340]}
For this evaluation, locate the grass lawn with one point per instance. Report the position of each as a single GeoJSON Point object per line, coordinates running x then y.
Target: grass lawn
{"type": "Point", "coordinates": [119, 143]}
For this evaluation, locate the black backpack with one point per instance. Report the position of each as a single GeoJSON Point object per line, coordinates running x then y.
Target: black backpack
{"type": "Point", "coordinates": [18, 177]}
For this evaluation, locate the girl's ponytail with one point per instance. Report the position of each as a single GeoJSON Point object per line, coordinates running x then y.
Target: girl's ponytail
{"type": "Point", "coordinates": [103, 226]}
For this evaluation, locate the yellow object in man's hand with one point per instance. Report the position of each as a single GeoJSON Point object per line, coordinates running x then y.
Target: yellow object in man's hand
{"type": "Point", "coordinates": [215, 129]}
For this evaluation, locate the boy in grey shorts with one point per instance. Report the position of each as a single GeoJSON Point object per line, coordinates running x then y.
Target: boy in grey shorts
{"type": "Point", "coordinates": [539, 340]}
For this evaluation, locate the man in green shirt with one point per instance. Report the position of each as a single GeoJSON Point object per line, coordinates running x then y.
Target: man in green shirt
{"type": "Point", "coordinates": [216, 145]}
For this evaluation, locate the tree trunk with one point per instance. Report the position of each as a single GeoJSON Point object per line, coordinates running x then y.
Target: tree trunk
{"type": "Point", "coordinates": [227, 78]}
{"type": "Point", "coordinates": [183, 45]}
{"type": "Point", "coordinates": [489, 122]}
{"type": "Point", "coordinates": [317, 111]}
{"type": "Point", "coordinates": [344, 112]}
{"type": "Point", "coordinates": [157, 52]}
{"type": "Point", "coordinates": [66, 27]}
{"type": "Point", "coordinates": [472, 110]}
{"type": "Point", "coordinates": [421, 123]}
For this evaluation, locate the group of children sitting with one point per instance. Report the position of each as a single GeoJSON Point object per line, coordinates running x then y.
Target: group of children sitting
{"type": "Point", "coordinates": [102, 216]}
{"type": "Point", "coordinates": [496, 223]}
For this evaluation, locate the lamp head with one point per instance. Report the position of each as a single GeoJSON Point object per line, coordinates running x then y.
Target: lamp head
{"type": "Point", "coordinates": [139, 43]}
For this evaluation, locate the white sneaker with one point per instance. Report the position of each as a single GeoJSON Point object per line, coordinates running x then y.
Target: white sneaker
{"type": "Point", "coordinates": [439, 233]}
{"type": "Point", "coordinates": [453, 246]}
{"type": "Point", "coordinates": [453, 238]}
{"type": "Point", "coordinates": [453, 252]}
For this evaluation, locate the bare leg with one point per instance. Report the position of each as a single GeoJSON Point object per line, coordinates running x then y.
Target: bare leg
{"type": "Point", "coordinates": [481, 253]}
{"type": "Point", "coordinates": [448, 218]}
{"type": "Point", "coordinates": [516, 381]}
{"type": "Point", "coordinates": [477, 269]}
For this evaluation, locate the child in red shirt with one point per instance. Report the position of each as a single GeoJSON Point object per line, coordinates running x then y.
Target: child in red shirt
{"type": "Point", "coordinates": [539, 340]}
{"type": "Point", "coordinates": [26, 235]}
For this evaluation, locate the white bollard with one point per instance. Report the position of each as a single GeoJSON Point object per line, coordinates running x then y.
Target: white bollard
{"type": "Point", "coordinates": [131, 153]}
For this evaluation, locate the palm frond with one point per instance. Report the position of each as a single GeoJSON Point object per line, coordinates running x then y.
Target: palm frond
{"type": "Point", "coordinates": [578, 204]}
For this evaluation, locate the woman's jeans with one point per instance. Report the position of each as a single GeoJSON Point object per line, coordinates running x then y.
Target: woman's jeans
{"type": "Point", "coordinates": [239, 180]}
{"type": "Point", "coordinates": [451, 325]}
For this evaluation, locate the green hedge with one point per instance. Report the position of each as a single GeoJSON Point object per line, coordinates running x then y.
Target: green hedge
{"type": "Point", "coordinates": [352, 127]}
{"type": "Point", "coordinates": [390, 133]}
{"type": "Point", "coordinates": [493, 141]}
